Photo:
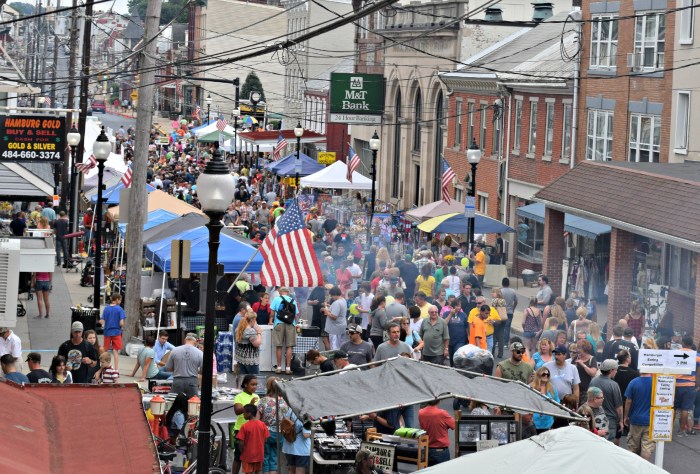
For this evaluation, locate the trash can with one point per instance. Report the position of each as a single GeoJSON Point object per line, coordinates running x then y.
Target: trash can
{"type": "Point", "coordinates": [529, 276]}
{"type": "Point", "coordinates": [86, 315]}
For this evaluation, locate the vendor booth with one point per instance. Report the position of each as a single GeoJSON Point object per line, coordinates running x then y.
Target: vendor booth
{"type": "Point", "coordinates": [161, 200]}
{"type": "Point", "coordinates": [111, 194]}
{"type": "Point", "coordinates": [335, 177]}
{"type": "Point", "coordinates": [287, 165]}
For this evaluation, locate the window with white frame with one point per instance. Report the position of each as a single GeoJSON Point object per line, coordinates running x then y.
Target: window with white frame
{"type": "Point", "coordinates": [482, 135]}
{"type": "Point", "coordinates": [682, 121]}
{"type": "Point", "coordinates": [484, 203]}
{"type": "Point", "coordinates": [566, 134]}
{"type": "Point", "coordinates": [599, 134]}
{"type": "Point", "coordinates": [532, 135]}
{"type": "Point", "coordinates": [649, 41]}
{"type": "Point", "coordinates": [470, 128]}
{"type": "Point", "coordinates": [685, 35]}
{"type": "Point", "coordinates": [603, 42]}
{"type": "Point", "coordinates": [496, 135]}
{"type": "Point", "coordinates": [459, 194]}
{"type": "Point", "coordinates": [645, 138]}
{"type": "Point", "coordinates": [549, 130]}
{"type": "Point", "coordinates": [518, 124]}
{"type": "Point", "coordinates": [458, 123]}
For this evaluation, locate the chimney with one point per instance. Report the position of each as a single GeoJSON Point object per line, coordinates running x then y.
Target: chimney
{"type": "Point", "coordinates": [493, 14]}
{"type": "Point", "coordinates": [542, 9]}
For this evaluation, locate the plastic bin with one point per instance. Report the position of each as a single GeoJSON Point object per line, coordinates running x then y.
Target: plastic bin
{"type": "Point", "coordinates": [88, 316]}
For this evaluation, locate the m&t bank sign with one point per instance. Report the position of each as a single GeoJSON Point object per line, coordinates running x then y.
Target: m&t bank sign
{"type": "Point", "coordinates": [357, 98]}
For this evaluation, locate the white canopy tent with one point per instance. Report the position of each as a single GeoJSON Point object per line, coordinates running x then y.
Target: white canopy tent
{"type": "Point", "coordinates": [335, 177]}
{"type": "Point", "coordinates": [114, 161]}
{"type": "Point", "coordinates": [212, 128]}
{"type": "Point", "coordinates": [569, 449]}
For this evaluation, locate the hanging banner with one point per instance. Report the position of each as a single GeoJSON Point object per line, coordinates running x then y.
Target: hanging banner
{"type": "Point", "coordinates": [32, 138]}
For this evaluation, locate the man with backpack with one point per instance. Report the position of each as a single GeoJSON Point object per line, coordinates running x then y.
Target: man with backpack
{"type": "Point", "coordinates": [285, 311]}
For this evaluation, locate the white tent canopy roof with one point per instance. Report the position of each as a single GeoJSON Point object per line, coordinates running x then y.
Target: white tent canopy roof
{"type": "Point", "coordinates": [335, 177]}
{"type": "Point", "coordinates": [569, 449]}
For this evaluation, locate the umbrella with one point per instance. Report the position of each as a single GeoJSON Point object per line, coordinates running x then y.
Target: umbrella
{"type": "Point", "coordinates": [456, 223]}
{"type": "Point", "coordinates": [434, 209]}
{"type": "Point", "coordinates": [248, 120]}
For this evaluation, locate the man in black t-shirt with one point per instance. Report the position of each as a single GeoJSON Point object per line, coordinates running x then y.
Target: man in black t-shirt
{"type": "Point", "coordinates": [37, 374]}
{"type": "Point", "coordinates": [18, 226]}
{"type": "Point", "coordinates": [80, 355]}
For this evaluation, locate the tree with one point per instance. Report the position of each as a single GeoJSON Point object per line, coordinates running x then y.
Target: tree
{"type": "Point", "coordinates": [252, 83]}
{"type": "Point", "coordinates": [22, 8]}
{"type": "Point", "coordinates": [172, 9]}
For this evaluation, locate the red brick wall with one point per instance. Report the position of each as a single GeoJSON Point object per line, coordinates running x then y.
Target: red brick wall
{"type": "Point", "coordinates": [624, 88]}
{"type": "Point", "coordinates": [554, 248]}
{"type": "Point", "coordinates": [337, 140]}
{"type": "Point", "coordinates": [621, 258]}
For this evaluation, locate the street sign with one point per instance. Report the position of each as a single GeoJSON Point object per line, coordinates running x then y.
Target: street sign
{"type": "Point", "coordinates": [658, 361]}
{"type": "Point", "coordinates": [180, 259]}
{"type": "Point", "coordinates": [326, 157]}
{"type": "Point", "coordinates": [661, 420]}
{"type": "Point", "coordinates": [470, 207]}
{"type": "Point", "coordinates": [663, 390]}
{"type": "Point", "coordinates": [134, 95]}
{"type": "Point", "coordinates": [32, 138]}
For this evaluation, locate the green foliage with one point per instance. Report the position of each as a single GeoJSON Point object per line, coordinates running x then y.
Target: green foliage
{"type": "Point", "coordinates": [252, 83]}
{"type": "Point", "coordinates": [22, 8]}
{"type": "Point", "coordinates": [170, 9]}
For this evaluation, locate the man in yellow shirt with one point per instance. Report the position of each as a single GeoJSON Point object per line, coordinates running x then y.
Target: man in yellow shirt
{"type": "Point", "coordinates": [422, 303]}
{"type": "Point", "coordinates": [493, 318]}
{"type": "Point", "coordinates": [479, 264]}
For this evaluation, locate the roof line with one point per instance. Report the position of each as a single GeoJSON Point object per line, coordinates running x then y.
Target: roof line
{"type": "Point", "coordinates": [508, 39]}
{"type": "Point", "coordinates": [642, 172]}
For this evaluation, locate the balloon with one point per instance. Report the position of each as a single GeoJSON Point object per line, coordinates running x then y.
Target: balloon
{"type": "Point", "coordinates": [176, 124]}
{"type": "Point", "coordinates": [181, 132]}
{"type": "Point", "coordinates": [183, 122]}
{"type": "Point", "coordinates": [170, 154]}
{"type": "Point", "coordinates": [353, 309]}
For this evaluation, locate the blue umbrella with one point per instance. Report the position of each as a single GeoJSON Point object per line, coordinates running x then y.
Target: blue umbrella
{"type": "Point", "coordinates": [456, 223]}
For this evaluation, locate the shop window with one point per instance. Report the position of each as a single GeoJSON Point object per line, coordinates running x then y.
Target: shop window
{"type": "Point", "coordinates": [603, 42]}
{"type": "Point", "coordinates": [530, 239]}
{"type": "Point", "coordinates": [680, 269]}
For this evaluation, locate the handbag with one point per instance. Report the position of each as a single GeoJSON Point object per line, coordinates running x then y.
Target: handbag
{"type": "Point", "coordinates": [502, 313]}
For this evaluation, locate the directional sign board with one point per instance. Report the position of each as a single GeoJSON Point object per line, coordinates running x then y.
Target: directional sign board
{"type": "Point", "coordinates": [658, 361]}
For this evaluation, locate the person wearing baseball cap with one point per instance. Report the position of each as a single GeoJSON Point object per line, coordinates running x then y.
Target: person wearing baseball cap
{"type": "Point", "coordinates": [37, 374]}
{"type": "Point", "coordinates": [565, 377]}
{"type": "Point", "coordinates": [515, 368]}
{"type": "Point", "coordinates": [612, 403]}
{"type": "Point", "coordinates": [358, 351]}
{"type": "Point", "coordinates": [79, 354]}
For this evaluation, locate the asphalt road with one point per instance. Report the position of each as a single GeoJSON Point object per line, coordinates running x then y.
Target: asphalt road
{"type": "Point", "coordinates": [115, 121]}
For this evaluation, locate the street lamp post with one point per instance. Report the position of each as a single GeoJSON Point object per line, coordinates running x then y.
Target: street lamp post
{"type": "Point", "coordinates": [298, 132]}
{"type": "Point", "coordinates": [208, 101]}
{"type": "Point", "coordinates": [374, 144]}
{"type": "Point", "coordinates": [473, 157]}
{"type": "Point", "coordinates": [73, 139]}
{"type": "Point", "coordinates": [215, 190]}
{"type": "Point", "coordinates": [236, 112]}
{"type": "Point", "coordinates": [101, 149]}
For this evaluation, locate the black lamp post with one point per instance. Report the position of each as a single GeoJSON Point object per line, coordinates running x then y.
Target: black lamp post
{"type": "Point", "coordinates": [374, 144]}
{"type": "Point", "coordinates": [215, 191]}
{"type": "Point", "coordinates": [73, 139]}
{"type": "Point", "coordinates": [236, 112]}
{"type": "Point", "coordinates": [101, 149]}
{"type": "Point", "coordinates": [208, 101]}
{"type": "Point", "coordinates": [298, 132]}
{"type": "Point", "coordinates": [473, 157]}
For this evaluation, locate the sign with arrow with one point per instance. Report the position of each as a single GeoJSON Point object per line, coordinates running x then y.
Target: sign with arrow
{"type": "Point", "coordinates": [658, 361]}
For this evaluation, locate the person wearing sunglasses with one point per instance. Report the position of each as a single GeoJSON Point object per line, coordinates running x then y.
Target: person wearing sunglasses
{"type": "Point", "coordinates": [542, 383]}
{"type": "Point", "coordinates": [515, 368]}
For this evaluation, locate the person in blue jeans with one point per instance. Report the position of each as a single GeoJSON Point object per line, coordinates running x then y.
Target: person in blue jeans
{"type": "Point", "coordinates": [457, 326]}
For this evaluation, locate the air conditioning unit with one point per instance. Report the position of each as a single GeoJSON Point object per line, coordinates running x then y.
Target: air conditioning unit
{"type": "Point", "coordinates": [9, 286]}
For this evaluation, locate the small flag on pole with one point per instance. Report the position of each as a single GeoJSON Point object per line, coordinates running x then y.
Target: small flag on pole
{"type": "Point", "coordinates": [221, 123]}
{"type": "Point", "coordinates": [448, 175]}
{"type": "Point", "coordinates": [47, 101]}
{"type": "Point", "coordinates": [290, 259]}
{"type": "Point", "coordinates": [197, 114]}
{"type": "Point", "coordinates": [85, 167]}
{"type": "Point", "coordinates": [127, 177]}
{"type": "Point", "coordinates": [279, 148]}
{"type": "Point", "coordinates": [353, 163]}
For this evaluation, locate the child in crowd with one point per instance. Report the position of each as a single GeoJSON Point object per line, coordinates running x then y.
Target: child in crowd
{"type": "Point", "coordinates": [113, 318]}
{"type": "Point", "coordinates": [106, 373]}
{"type": "Point", "coordinates": [252, 437]}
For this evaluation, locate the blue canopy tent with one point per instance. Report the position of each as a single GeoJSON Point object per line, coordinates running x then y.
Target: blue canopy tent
{"type": "Point", "coordinates": [154, 218]}
{"type": "Point", "coordinates": [285, 166]}
{"type": "Point", "coordinates": [456, 223]}
{"type": "Point", "coordinates": [111, 195]}
{"type": "Point", "coordinates": [233, 254]}
{"type": "Point", "coordinates": [574, 224]}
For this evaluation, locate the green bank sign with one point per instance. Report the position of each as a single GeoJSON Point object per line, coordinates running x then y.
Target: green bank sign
{"type": "Point", "coordinates": [357, 98]}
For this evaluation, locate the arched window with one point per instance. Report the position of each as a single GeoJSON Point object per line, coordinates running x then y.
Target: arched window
{"type": "Point", "coordinates": [418, 112]}
{"type": "Point", "coordinates": [397, 146]}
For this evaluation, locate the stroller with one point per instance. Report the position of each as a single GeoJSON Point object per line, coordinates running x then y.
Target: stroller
{"type": "Point", "coordinates": [87, 275]}
{"type": "Point", "coordinates": [25, 286]}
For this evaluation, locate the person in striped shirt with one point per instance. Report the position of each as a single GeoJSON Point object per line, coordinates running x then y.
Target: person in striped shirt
{"type": "Point", "coordinates": [686, 386]}
{"type": "Point", "coordinates": [106, 373]}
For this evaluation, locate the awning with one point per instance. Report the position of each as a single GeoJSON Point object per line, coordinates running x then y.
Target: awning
{"type": "Point", "coordinates": [153, 219]}
{"type": "Point", "coordinates": [574, 224]}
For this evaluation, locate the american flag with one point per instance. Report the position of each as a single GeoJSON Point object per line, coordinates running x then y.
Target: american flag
{"type": "Point", "coordinates": [127, 177]}
{"type": "Point", "coordinates": [221, 123]}
{"type": "Point", "coordinates": [47, 101]}
{"type": "Point", "coordinates": [353, 163]}
{"type": "Point", "coordinates": [448, 175]}
{"type": "Point", "coordinates": [197, 114]}
{"type": "Point", "coordinates": [279, 148]}
{"type": "Point", "coordinates": [289, 257]}
{"type": "Point", "coordinates": [85, 167]}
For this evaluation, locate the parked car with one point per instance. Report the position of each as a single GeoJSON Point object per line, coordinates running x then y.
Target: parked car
{"type": "Point", "coordinates": [98, 105]}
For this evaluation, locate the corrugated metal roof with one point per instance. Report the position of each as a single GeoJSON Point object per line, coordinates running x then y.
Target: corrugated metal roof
{"type": "Point", "coordinates": [322, 81]}
{"type": "Point", "coordinates": [75, 429]}
{"type": "Point", "coordinates": [18, 182]}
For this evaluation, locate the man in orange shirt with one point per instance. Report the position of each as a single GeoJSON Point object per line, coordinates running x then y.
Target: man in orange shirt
{"type": "Point", "coordinates": [479, 263]}
{"type": "Point", "coordinates": [437, 423]}
{"type": "Point", "coordinates": [490, 320]}
{"type": "Point", "coordinates": [685, 391]}
{"type": "Point", "coordinates": [477, 330]}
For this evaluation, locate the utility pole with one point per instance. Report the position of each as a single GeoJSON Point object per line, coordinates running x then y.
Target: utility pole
{"type": "Point", "coordinates": [69, 105]}
{"type": "Point", "coordinates": [84, 82]}
{"type": "Point", "coordinates": [137, 197]}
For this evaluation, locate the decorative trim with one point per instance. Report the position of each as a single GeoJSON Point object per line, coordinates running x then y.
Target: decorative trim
{"type": "Point", "coordinates": [550, 100]}
{"type": "Point", "coordinates": [605, 7]}
{"type": "Point", "coordinates": [645, 107]}
{"type": "Point", "coordinates": [650, 5]}
{"type": "Point", "coordinates": [603, 72]}
{"type": "Point", "coordinates": [600, 103]}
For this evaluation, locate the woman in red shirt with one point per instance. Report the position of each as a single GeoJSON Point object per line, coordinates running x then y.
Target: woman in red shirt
{"type": "Point", "coordinates": [262, 310]}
